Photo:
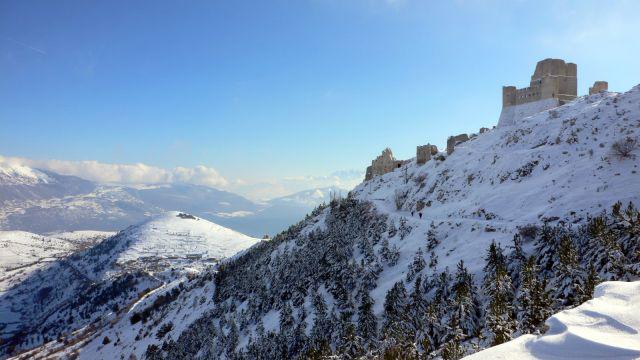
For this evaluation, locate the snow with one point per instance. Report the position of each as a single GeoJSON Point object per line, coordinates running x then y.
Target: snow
{"type": "Point", "coordinates": [607, 327]}
{"type": "Point", "coordinates": [484, 190]}
{"type": "Point", "coordinates": [514, 114]}
{"type": "Point", "coordinates": [175, 234]}
{"type": "Point", "coordinates": [16, 174]}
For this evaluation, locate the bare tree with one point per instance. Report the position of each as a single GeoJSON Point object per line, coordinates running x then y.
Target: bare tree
{"type": "Point", "coordinates": [624, 148]}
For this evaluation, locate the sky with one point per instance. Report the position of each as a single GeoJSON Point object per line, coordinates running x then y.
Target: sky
{"type": "Point", "coordinates": [266, 98]}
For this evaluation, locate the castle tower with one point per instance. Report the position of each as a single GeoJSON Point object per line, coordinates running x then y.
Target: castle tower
{"type": "Point", "coordinates": [554, 82]}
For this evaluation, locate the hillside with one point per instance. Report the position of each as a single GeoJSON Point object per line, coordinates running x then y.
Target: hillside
{"type": "Point", "coordinates": [93, 286]}
{"type": "Point", "coordinates": [444, 259]}
{"type": "Point", "coordinates": [603, 328]}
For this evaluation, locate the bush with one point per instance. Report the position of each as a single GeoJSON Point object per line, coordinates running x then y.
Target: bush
{"type": "Point", "coordinates": [624, 148]}
{"type": "Point", "coordinates": [528, 231]}
{"type": "Point", "coordinates": [106, 340]}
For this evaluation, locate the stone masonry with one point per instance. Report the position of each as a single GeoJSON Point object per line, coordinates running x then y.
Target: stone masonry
{"type": "Point", "coordinates": [598, 86]}
{"type": "Point", "coordinates": [552, 78]}
{"type": "Point", "coordinates": [452, 141]}
{"type": "Point", "coordinates": [382, 164]}
{"type": "Point", "coordinates": [424, 153]}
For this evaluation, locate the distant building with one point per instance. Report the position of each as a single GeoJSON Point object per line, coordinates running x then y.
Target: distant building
{"type": "Point", "coordinates": [554, 82]}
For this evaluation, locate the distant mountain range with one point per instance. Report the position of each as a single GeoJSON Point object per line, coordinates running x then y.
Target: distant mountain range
{"type": "Point", "coordinates": [42, 201]}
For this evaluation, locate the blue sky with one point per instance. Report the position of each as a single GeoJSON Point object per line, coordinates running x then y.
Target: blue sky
{"type": "Point", "coordinates": [279, 92]}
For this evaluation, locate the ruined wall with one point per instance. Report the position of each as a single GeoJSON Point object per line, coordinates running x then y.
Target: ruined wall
{"type": "Point", "coordinates": [382, 164]}
{"type": "Point", "coordinates": [552, 78]}
{"type": "Point", "coordinates": [453, 140]}
{"type": "Point", "coordinates": [598, 86]}
{"type": "Point", "coordinates": [424, 153]}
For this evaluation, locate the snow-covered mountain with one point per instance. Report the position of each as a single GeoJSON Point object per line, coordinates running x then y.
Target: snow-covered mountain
{"type": "Point", "coordinates": [606, 327]}
{"type": "Point", "coordinates": [99, 284]}
{"type": "Point", "coordinates": [42, 201]}
{"type": "Point", "coordinates": [441, 259]}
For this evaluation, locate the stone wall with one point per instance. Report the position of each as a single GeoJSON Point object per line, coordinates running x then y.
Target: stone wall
{"type": "Point", "coordinates": [452, 141]}
{"type": "Point", "coordinates": [382, 164]}
{"type": "Point", "coordinates": [424, 153]}
{"type": "Point", "coordinates": [552, 78]}
{"type": "Point", "coordinates": [598, 86]}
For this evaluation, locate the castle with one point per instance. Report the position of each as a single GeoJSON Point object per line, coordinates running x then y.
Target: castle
{"type": "Point", "coordinates": [554, 82]}
{"type": "Point", "coordinates": [552, 79]}
{"type": "Point", "coordinates": [382, 164]}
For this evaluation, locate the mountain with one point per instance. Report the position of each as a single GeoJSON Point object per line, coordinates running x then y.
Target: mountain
{"type": "Point", "coordinates": [443, 259]}
{"type": "Point", "coordinates": [42, 201]}
{"type": "Point", "coordinates": [606, 327]}
{"type": "Point", "coordinates": [22, 183]}
{"type": "Point", "coordinates": [98, 284]}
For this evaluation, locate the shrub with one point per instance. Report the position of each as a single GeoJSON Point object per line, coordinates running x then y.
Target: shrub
{"type": "Point", "coordinates": [624, 148]}
{"type": "Point", "coordinates": [106, 340]}
{"type": "Point", "coordinates": [528, 231]}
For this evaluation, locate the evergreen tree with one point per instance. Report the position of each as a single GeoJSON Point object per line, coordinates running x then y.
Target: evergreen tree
{"type": "Point", "coordinates": [351, 344]}
{"type": "Point", "coordinates": [395, 303]}
{"type": "Point", "coordinates": [453, 348]}
{"type": "Point", "coordinates": [497, 285]}
{"type": "Point", "coordinates": [466, 305]}
{"type": "Point", "coordinates": [417, 265]}
{"type": "Point", "coordinates": [404, 229]}
{"type": "Point", "coordinates": [534, 300]}
{"type": "Point", "coordinates": [590, 283]}
{"type": "Point", "coordinates": [568, 273]}
{"type": "Point", "coordinates": [432, 239]}
{"type": "Point", "coordinates": [367, 322]}
{"type": "Point", "coordinates": [516, 260]}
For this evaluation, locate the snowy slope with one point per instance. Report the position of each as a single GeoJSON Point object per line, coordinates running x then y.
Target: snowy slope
{"type": "Point", "coordinates": [556, 164]}
{"type": "Point", "coordinates": [606, 327]}
{"type": "Point", "coordinates": [100, 284]}
{"type": "Point", "coordinates": [176, 234]}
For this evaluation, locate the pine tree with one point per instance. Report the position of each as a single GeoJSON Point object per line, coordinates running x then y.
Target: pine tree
{"type": "Point", "coordinates": [417, 265]}
{"type": "Point", "coordinates": [516, 260]}
{"type": "Point", "coordinates": [367, 322]}
{"type": "Point", "coordinates": [534, 300]}
{"type": "Point", "coordinates": [569, 279]}
{"type": "Point", "coordinates": [453, 349]}
{"type": "Point", "coordinates": [351, 344]}
{"type": "Point", "coordinates": [404, 229]}
{"type": "Point", "coordinates": [395, 303]}
{"type": "Point", "coordinates": [433, 260]}
{"type": "Point", "coordinates": [590, 283]}
{"type": "Point", "coordinates": [497, 285]}
{"type": "Point", "coordinates": [432, 239]}
{"type": "Point", "coordinates": [321, 330]}
{"type": "Point", "coordinates": [466, 305]}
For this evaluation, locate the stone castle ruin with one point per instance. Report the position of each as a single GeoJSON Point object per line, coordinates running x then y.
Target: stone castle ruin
{"type": "Point", "coordinates": [382, 164]}
{"type": "Point", "coordinates": [425, 152]}
{"type": "Point", "coordinates": [554, 82]}
{"type": "Point", "coordinates": [598, 87]}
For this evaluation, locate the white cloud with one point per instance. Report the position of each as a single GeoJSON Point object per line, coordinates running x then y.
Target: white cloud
{"type": "Point", "coordinates": [124, 173]}
{"type": "Point", "coordinates": [140, 174]}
